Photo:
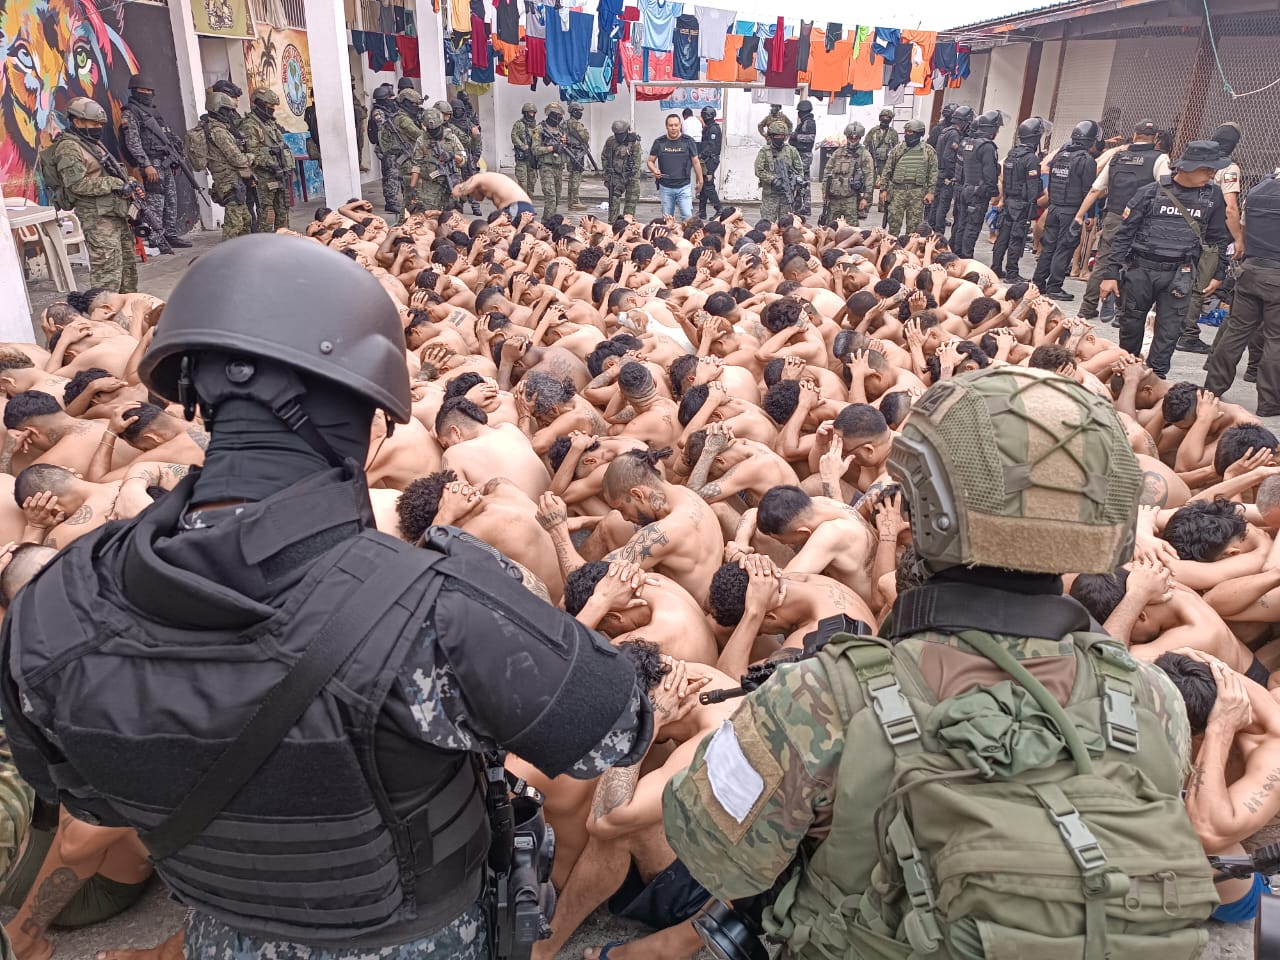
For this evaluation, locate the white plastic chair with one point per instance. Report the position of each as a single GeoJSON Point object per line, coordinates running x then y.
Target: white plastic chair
{"type": "Point", "coordinates": [73, 238]}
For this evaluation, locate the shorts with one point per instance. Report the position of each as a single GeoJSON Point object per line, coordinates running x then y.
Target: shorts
{"type": "Point", "coordinates": [100, 898]}
{"type": "Point", "coordinates": [1257, 672]}
{"type": "Point", "coordinates": [513, 210]}
{"type": "Point", "coordinates": [1244, 909]}
{"type": "Point", "coordinates": [670, 898]}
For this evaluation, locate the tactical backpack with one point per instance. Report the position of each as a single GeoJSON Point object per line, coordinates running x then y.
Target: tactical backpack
{"type": "Point", "coordinates": [844, 175]}
{"type": "Point", "coordinates": [55, 190]}
{"type": "Point", "coordinates": [1011, 828]}
{"type": "Point", "coordinates": [620, 163]}
{"type": "Point", "coordinates": [199, 146]}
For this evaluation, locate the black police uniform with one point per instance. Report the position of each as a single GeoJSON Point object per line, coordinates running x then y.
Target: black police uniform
{"type": "Point", "coordinates": [1022, 188]}
{"type": "Point", "coordinates": [1157, 251]}
{"type": "Point", "coordinates": [979, 167]}
{"type": "Point", "coordinates": [1255, 306]}
{"type": "Point", "coordinates": [803, 138]}
{"type": "Point", "coordinates": [1129, 170]}
{"type": "Point", "coordinates": [947, 148]}
{"type": "Point", "coordinates": [1071, 174]}
{"type": "Point", "coordinates": [709, 149]}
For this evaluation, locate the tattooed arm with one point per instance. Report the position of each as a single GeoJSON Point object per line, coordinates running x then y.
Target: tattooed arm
{"type": "Point", "coordinates": [649, 544]}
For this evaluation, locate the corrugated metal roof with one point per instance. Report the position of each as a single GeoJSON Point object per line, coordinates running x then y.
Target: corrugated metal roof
{"type": "Point", "coordinates": [1046, 13]}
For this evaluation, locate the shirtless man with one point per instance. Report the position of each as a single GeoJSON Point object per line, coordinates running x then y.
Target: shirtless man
{"type": "Point", "coordinates": [625, 602]}
{"type": "Point", "coordinates": [500, 190]}
{"type": "Point", "coordinates": [160, 435]}
{"type": "Point", "coordinates": [690, 370]}
{"type": "Point", "coordinates": [134, 312]}
{"type": "Point", "coordinates": [712, 403]}
{"type": "Point", "coordinates": [740, 468]}
{"type": "Point", "coordinates": [396, 460]}
{"type": "Point", "coordinates": [498, 513]}
{"type": "Point", "coordinates": [754, 597]}
{"type": "Point", "coordinates": [85, 344]}
{"type": "Point", "coordinates": [548, 408]}
{"type": "Point", "coordinates": [478, 452]}
{"type": "Point", "coordinates": [679, 534]}
{"type": "Point", "coordinates": [646, 415]}
{"type": "Point", "coordinates": [579, 461]}
{"type": "Point", "coordinates": [61, 507]}
{"type": "Point", "coordinates": [850, 456]}
{"type": "Point", "coordinates": [517, 357]}
{"type": "Point", "coordinates": [19, 373]}
{"type": "Point", "coordinates": [36, 422]}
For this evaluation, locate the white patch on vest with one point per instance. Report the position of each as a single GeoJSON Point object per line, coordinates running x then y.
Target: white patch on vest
{"type": "Point", "coordinates": [733, 780]}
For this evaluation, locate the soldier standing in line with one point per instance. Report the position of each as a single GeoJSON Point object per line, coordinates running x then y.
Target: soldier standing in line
{"type": "Point", "coordinates": [384, 108]}
{"type": "Point", "coordinates": [803, 138]}
{"type": "Point", "coordinates": [847, 179]}
{"type": "Point", "coordinates": [400, 135]}
{"type": "Point", "coordinates": [148, 144]}
{"type": "Point", "coordinates": [775, 115]}
{"type": "Point", "coordinates": [779, 171]}
{"type": "Point", "coordinates": [548, 147]}
{"type": "Point", "coordinates": [880, 141]}
{"type": "Point", "coordinates": [459, 124]}
{"type": "Point", "coordinates": [362, 121]}
{"type": "Point", "coordinates": [620, 162]}
{"type": "Point", "coordinates": [264, 142]}
{"type": "Point", "coordinates": [710, 148]}
{"type": "Point", "coordinates": [576, 129]}
{"type": "Point", "coordinates": [229, 165]}
{"type": "Point", "coordinates": [523, 134]}
{"type": "Point", "coordinates": [437, 164]}
{"type": "Point", "coordinates": [907, 179]}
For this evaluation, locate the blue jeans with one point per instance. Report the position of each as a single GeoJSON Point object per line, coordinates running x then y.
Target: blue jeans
{"type": "Point", "coordinates": [677, 200]}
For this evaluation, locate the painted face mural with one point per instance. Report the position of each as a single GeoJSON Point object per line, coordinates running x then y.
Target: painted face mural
{"type": "Point", "coordinates": [52, 51]}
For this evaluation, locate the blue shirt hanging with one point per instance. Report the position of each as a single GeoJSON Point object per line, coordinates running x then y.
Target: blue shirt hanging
{"type": "Point", "coordinates": [885, 43]}
{"type": "Point", "coordinates": [568, 50]}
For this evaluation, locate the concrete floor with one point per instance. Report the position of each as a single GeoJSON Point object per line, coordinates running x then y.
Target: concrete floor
{"type": "Point", "coordinates": [156, 916]}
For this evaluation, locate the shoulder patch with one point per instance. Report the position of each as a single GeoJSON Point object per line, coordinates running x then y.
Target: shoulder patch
{"type": "Point", "coordinates": [740, 773]}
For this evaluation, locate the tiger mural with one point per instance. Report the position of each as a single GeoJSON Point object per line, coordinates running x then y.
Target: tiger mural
{"type": "Point", "coordinates": [52, 51]}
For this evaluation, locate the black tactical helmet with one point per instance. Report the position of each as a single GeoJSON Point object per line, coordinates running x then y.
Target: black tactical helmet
{"type": "Point", "coordinates": [947, 110]}
{"type": "Point", "coordinates": [708, 114]}
{"type": "Point", "coordinates": [229, 88]}
{"type": "Point", "coordinates": [383, 92]}
{"type": "Point", "coordinates": [962, 114]}
{"type": "Point", "coordinates": [991, 120]}
{"type": "Point", "coordinates": [458, 107]}
{"type": "Point", "coordinates": [1087, 133]}
{"type": "Point", "coordinates": [1031, 131]}
{"type": "Point", "coordinates": [404, 83]}
{"type": "Point", "coordinates": [140, 81]}
{"type": "Point", "coordinates": [804, 106]}
{"type": "Point", "coordinates": [287, 300]}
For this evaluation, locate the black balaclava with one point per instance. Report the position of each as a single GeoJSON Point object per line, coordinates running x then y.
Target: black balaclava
{"type": "Point", "coordinates": [884, 124]}
{"type": "Point", "coordinates": [253, 453]}
{"type": "Point", "coordinates": [911, 139]}
{"type": "Point", "coordinates": [1227, 137]}
{"type": "Point", "coordinates": [529, 118]}
{"type": "Point", "coordinates": [264, 110]}
{"type": "Point", "coordinates": [228, 114]}
{"type": "Point", "coordinates": [143, 99]}
{"type": "Point", "coordinates": [435, 133]}
{"type": "Point", "coordinates": [90, 133]}
{"type": "Point", "coordinates": [779, 140]}
{"type": "Point", "coordinates": [553, 119]}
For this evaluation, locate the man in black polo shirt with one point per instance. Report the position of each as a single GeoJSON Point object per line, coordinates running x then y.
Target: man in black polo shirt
{"type": "Point", "coordinates": [674, 163]}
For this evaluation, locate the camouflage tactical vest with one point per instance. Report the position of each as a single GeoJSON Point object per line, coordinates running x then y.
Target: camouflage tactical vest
{"type": "Point", "coordinates": [844, 174]}
{"type": "Point", "coordinates": [909, 170]}
{"type": "Point", "coordinates": [997, 823]}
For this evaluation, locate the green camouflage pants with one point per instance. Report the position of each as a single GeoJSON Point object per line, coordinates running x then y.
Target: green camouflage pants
{"type": "Point", "coordinates": [906, 208]}
{"type": "Point", "coordinates": [773, 204]}
{"type": "Point", "coordinates": [574, 178]}
{"type": "Point", "coordinates": [846, 207]}
{"type": "Point", "coordinates": [1205, 270]}
{"type": "Point", "coordinates": [552, 182]}
{"type": "Point", "coordinates": [435, 194]}
{"type": "Point", "coordinates": [112, 264]}
{"type": "Point", "coordinates": [209, 939]}
{"type": "Point", "coordinates": [235, 220]}
{"type": "Point", "coordinates": [624, 201]}
{"type": "Point", "coordinates": [526, 178]}
{"type": "Point", "coordinates": [273, 208]}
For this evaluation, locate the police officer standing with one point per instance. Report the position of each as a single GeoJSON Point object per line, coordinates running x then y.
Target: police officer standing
{"type": "Point", "coordinates": [1020, 189]}
{"type": "Point", "coordinates": [880, 141]}
{"type": "Point", "coordinates": [709, 149]}
{"type": "Point", "coordinates": [1255, 307]}
{"type": "Point", "coordinates": [383, 109]}
{"type": "Point", "coordinates": [230, 165]}
{"type": "Point", "coordinates": [946, 200]}
{"type": "Point", "coordinates": [549, 149]}
{"type": "Point", "coordinates": [907, 179]}
{"type": "Point", "coordinates": [779, 172]}
{"type": "Point", "coordinates": [148, 144]}
{"type": "Point", "coordinates": [1158, 246]}
{"type": "Point", "coordinates": [264, 142]}
{"type": "Point", "coordinates": [1071, 174]}
{"type": "Point", "coordinates": [879, 777]}
{"type": "Point", "coordinates": [978, 182]}
{"type": "Point", "coordinates": [848, 179]}
{"type": "Point", "coordinates": [1128, 169]}
{"type": "Point", "coordinates": [936, 130]}
{"type": "Point", "coordinates": [620, 165]}
{"type": "Point", "coordinates": [99, 200]}
{"type": "Point", "coordinates": [524, 132]}
{"type": "Point", "coordinates": [319, 693]}
{"type": "Point", "coordinates": [803, 138]}
{"type": "Point", "coordinates": [579, 139]}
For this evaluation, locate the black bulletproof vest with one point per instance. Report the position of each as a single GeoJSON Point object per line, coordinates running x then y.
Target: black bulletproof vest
{"type": "Point", "coordinates": [1130, 170]}
{"type": "Point", "coordinates": [1262, 220]}
{"type": "Point", "coordinates": [1165, 233]}
{"type": "Point", "coordinates": [1020, 161]}
{"type": "Point", "coordinates": [1066, 187]}
{"type": "Point", "coordinates": [156, 148]}
{"type": "Point", "coordinates": [967, 161]}
{"type": "Point", "coordinates": [947, 157]}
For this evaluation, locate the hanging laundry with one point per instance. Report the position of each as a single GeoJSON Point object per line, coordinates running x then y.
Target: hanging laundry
{"type": "Point", "coordinates": [461, 63]}
{"type": "Point", "coordinates": [714, 26]}
{"type": "Point", "coordinates": [962, 61]}
{"type": "Point", "coordinates": [684, 45]}
{"type": "Point", "coordinates": [864, 73]}
{"type": "Point", "coordinates": [657, 22]}
{"type": "Point", "coordinates": [399, 19]}
{"type": "Point", "coordinates": [411, 25]}
{"type": "Point", "coordinates": [785, 77]}
{"type": "Point", "coordinates": [634, 68]}
{"type": "Point", "coordinates": [777, 46]}
{"type": "Point", "coordinates": [630, 17]}
{"type": "Point", "coordinates": [481, 73]}
{"type": "Point", "coordinates": [379, 62]}
{"type": "Point", "coordinates": [407, 47]}
{"type": "Point", "coordinates": [829, 69]}
{"type": "Point", "coordinates": [861, 35]}
{"type": "Point", "coordinates": [536, 56]}
{"type": "Point", "coordinates": [744, 28]}
{"type": "Point", "coordinates": [944, 58]}
{"type": "Point", "coordinates": [900, 76]}
{"type": "Point", "coordinates": [806, 38]}
{"type": "Point", "coordinates": [838, 107]}
{"type": "Point", "coordinates": [725, 69]}
{"type": "Point", "coordinates": [387, 19]}
{"type": "Point", "coordinates": [535, 22]}
{"type": "Point", "coordinates": [608, 24]}
{"type": "Point", "coordinates": [358, 41]}
{"type": "Point", "coordinates": [835, 33]}
{"type": "Point", "coordinates": [568, 50]}
{"type": "Point", "coordinates": [507, 21]}
{"type": "Point", "coordinates": [480, 44]}
{"type": "Point", "coordinates": [747, 52]}
{"type": "Point", "coordinates": [764, 32]}
{"type": "Point", "coordinates": [460, 16]}
{"type": "Point", "coordinates": [922, 57]}
{"type": "Point", "coordinates": [393, 52]}
{"type": "Point", "coordinates": [886, 43]}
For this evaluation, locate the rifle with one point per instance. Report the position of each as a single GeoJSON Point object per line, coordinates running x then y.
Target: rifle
{"type": "Point", "coordinates": [142, 218]}
{"type": "Point", "coordinates": [283, 170]}
{"type": "Point", "coordinates": [249, 198]}
{"type": "Point", "coordinates": [176, 156]}
{"type": "Point", "coordinates": [449, 172]}
{"type": "Point", "coordinates": [584, 153]}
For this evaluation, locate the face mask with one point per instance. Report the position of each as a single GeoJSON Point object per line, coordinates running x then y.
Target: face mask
{"type": "Point", "coordinates": [554, 120]}
{"type": "Point", "coordinates": [778, 142]}
{"type": "Point", "coordinates": [265, 111]}
{"type": "Point", "coordinates": [228, 114]}
{"type": "Point", "coordinates": [576, 116]}
{"type": "Point", "coordinates": [435, 133]}
{"type": "Point", "coordinates": [529, 118]}
{"type": "Point", "coordinates": [144, 99]}
{"type": "Point", "coordinates": [912, 139]}
{"type": "Point", "coordinates": [90, 133]}
{"type": "Point", "coordinates": [884, 124]}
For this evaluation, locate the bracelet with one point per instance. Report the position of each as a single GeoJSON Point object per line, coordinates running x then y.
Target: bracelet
{"type": "Point", "coordinates": [108, 433]}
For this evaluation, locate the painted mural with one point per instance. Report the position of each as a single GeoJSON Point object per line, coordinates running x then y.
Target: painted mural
{"type": "Point", "coordinates": [279, 59]}
{"type": "Point", "coordinates": [222, 18]}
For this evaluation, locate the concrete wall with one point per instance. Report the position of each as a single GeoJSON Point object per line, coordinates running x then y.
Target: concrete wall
{"type": "Point", "coordinates": [1008, 67]}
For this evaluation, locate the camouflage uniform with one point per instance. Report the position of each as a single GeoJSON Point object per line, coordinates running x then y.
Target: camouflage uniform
{"type": "Point", "coordinates": [773, 201]}
{"type": "Point", "coordinates": [840, 195]}
{"type": "Point", "coordinates": [400, 137]}
{"type": "Point", "coordinates": [264, 142]}
{"type": "Point", "coordinates": [144, 149]}
{"type": "Point", "coordinates": [429, 163]}
{"type": "Point", "coordinates": [620, 164]}
{"type": "Point", "coordinates": [103, 214]}
{"type": "Point", "coordinates": [578, 129]}
{"type": "Point", "coordinates": [548, 147]}
{"type": "Point", "coordinates": [880, 141]}
{"type": "Point", "coordinates": [772, 117]}
{"type": "Point", "coordinates": [392, 186]}
{"type": "Point", "coordinates": [524, 134]}
{"type": "Point", "coordinates": [231, 167]}
{"type": "Point", "coordinates": [362, 121]}
{"type": "Point", "coordinates": [908, 174]}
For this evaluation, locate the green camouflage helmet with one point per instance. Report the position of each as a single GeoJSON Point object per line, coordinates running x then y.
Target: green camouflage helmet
{"type": "Point", "coordinates": [854, 131]}
{"type": "Point", "coordinates": [913, 126]}
{"type": "Point", "coordinates": [529, 107]}
{"type": "Point", "coordinates": [443, 107]}
{"type": "Point", "coordinates": [619, 127]}
{"type": "Point", "coordinates": [886, 114]}
{"type": "Point", "coordinates": [555, 108]}
{"type": "Point", "coordinates": [776, 128]}
{"type": "Point", "coordinates": [82, 108]}
{"type": "Point", "coordinates": [1017, 468]}
{"type": "Point", "coordinates": [266, 95]}
{"type": "Point", "coordinates": [575, 110]}
{"type": "Point", "coordinates": [409, 95]}
{"type": "Point", "coordinates": [432, 118]}
{"type": "Point", "coordinates": [217, 100]}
